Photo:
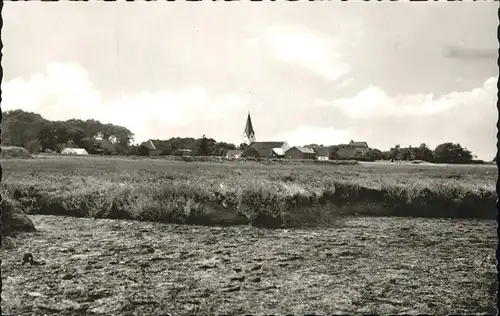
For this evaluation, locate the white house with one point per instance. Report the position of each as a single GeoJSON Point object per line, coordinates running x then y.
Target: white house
{"type": "Point", "coordinates": [74, 151]}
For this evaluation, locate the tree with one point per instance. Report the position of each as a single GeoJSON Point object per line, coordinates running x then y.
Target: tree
{"type": "Point", "coordinates": [407, 153]}
{"type": "Point", "coordinates": [395, 153]}
{"type": "Point", "coordinates": [20, 128]}
{"type": "Point", "coordinates": [182, 143]}
{"type": "Point", "coordinates": [424, 153]}
{"type": "Point", "coordinates": [452, 153]}
{"type": "Point", "coordinates": [70, 144]}
{"type": "Point", "coordinates": [166, 152]}
{"type": "Point", "coordinates": [122, 135]}
{"type": "Point", "coordinates": [117, 135]}
{"type": "Point", "coordinates": [54, 135]}
{"type": "Point", "coordinates": [334, 155]}
{"type": "Point", "coordinates": [220, 149]}
{"type": "Point", "coordinates": [374, 154]}
{"type": "Point", "coordinates": [202, 146]}
{"type": "Point", "coordinates": [33, 145]}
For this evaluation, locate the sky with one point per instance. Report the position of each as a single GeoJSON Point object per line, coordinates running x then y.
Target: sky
{"type": "Point", "coordinates": [308, 72]}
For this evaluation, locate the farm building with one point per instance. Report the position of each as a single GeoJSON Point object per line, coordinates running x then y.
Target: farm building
{"type": "Point", "coordinates": [150, 148]}
{"type": "Point", "coordinates": [234, 153]}
{"type": "Point", "coordinates": [149, 145]}
{"type": "Point", "coordinates": [278, 153]}
{"type": "Point", "coordinates": [99, 146]}
{"type": "Point", "coordinates": [300, 153]}
{"type": "Point", "coordinates": [266, 149]}
{"type": "Point", "coordinates": [74, 151]}
{"type": "Point", "coordinates": [353, 150]}
{"type": "Point", "coordinates": [322, 153]}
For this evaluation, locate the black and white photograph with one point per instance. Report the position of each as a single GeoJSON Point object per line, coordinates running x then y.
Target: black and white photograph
{"type": "Point", "coordinates": [241, 157]}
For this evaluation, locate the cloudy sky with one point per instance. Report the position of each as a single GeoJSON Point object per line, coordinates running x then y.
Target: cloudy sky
{"type": "Point", "coordinates": [387, 73]}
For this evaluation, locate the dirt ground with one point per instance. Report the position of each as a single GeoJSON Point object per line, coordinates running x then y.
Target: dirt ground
{"type": "Point", "coordinates": [367, 265]}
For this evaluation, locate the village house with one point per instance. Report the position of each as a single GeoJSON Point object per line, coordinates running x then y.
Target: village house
{"type": "Point", "coordinates": [74, 151]}
{"type": "Point", "coordinates": [353, 150]}
{"type": "Point", "coordinates": [300, 153]}
{"type": "Point", "coordinates": [151, 148]}
{"type": "Point", "coordinates": [322, 153]}
{"type": "Point", "coordinates": [266, 149]}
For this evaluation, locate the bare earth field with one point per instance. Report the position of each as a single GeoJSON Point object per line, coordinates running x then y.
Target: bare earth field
{"type": "Point", "coordinates": [366, 265]}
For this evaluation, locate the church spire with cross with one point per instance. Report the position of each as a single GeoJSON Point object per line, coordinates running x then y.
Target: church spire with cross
{"type": "Point", "coordinates": [248, 133]}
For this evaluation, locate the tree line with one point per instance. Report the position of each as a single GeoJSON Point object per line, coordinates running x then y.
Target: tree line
{"type": "Point", "coordinates": [199, 146]}
{"type": "Point", "coordinates": [448, 152]}
{"type": "Point", "coordinates": [35, 133]}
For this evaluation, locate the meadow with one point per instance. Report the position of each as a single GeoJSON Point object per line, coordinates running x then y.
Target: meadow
{"type": "Point", "coordinates": [124, 248]}
{"type": "Point", "coordinates": [261, 194]}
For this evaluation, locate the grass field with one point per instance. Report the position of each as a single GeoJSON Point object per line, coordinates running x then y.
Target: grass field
{"type": "Point", "coordinates": [250, 192]}
{"type": "Point", "coordinates": [355, 265]}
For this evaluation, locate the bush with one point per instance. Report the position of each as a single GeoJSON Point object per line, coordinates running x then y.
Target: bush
{"type": "Point", "coordinates": [14, 152]}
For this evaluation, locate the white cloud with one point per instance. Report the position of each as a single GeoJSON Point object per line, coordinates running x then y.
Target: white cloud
{"type": "Point", "coordinates": [65, 91]}
{"type": "Point", "coordinates": [62, 89]}
{"type": "Point", "coordinates": [374, 102]}
{"type": "Point", "coordinates": [305, 48]}
{"type": "Point", "coordinates": [344, 83]}
{"type": "Point", "coordinates": [304, 135]}
{"type": "Point", "coordinates": [466, 117]}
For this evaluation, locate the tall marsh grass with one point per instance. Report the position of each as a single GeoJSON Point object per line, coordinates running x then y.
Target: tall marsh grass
{"type": "Point", "coordinates": [244, 193]}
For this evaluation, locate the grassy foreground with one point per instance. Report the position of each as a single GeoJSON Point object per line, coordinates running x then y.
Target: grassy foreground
{"type": "Point", "coordinates": [244, 192]}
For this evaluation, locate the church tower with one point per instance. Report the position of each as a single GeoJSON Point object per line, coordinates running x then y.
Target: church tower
{"type": "Point", "coordinates": [248, 133]}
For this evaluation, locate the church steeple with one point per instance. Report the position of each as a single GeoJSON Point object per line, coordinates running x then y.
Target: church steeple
{"type": "Point", "coordinates": [248, 133]}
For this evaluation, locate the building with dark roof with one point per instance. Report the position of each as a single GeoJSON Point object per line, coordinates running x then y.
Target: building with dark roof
{"type": "Point", "coordinates": [358, 144]}
{"type": "Point", "coordinates": [266, 149]}
{"type": "Point", "coordinates": [149, 145]}
{"type": "Point", "coordinates": [149, 148]}
{"type": "Point", "coordinates": [322, 153]}
{"type": "Point", "coordinates": [300, 153]}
